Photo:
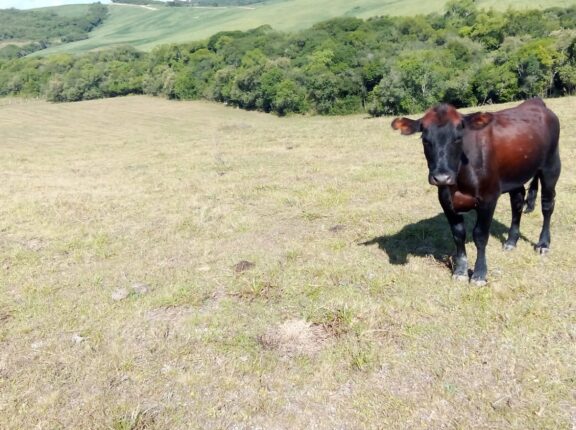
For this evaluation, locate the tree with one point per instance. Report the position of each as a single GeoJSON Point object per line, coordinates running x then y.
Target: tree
{"type": "Point", "coordinates": [289, 97]}
{"type": "Point", "coordinates": [460, 13]}
{"type": "Point", "coordinates": [386, 98]}
{"type": "Point", "coordinates": [536, 64]}
{"type": "Point", "coordinates": [494, 84]}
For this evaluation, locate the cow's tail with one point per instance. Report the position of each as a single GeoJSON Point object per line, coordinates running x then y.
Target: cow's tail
{"type": "Point", "coordinates": [530, 202]}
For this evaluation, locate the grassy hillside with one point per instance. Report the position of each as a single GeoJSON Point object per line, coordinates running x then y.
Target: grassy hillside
{"type": "Point", "coordinates": [146, 28]}
{"type": "Point", "coordinates": [34, 30]}
{"type": "Point", "coordinates": [342, 315]}
{"type": "Point", "coordinates": [71, 10]}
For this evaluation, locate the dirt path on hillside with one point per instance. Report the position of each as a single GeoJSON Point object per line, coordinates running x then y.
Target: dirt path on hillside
{"type": "Point", "coordinates": [135, 5]}
{"type": "Point", "coordinates": [192, 7]}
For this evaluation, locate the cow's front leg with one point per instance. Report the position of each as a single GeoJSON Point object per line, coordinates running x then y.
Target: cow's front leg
{"type": "Point", "coordinates": [481, 233]}
{"type": "Point", "coordinates": [458, 228]}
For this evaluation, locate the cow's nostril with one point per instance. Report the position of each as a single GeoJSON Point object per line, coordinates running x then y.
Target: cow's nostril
{"type": "Point", "coordinates": [443, 179]}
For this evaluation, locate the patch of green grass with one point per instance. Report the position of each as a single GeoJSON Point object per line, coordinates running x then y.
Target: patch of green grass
{"type": "Point", "coordinates": [181, 294]}
{"type": "Point", "coordinates": [137, 419]}
{"type": "Point", "coordinates": [255, 288]}
{"type": "Point", "coordinates": [70, 10]}
{"type": "Point", "coordinates": [363, 356]}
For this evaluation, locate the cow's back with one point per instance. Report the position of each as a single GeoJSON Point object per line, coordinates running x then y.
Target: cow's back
{"type": "Point", "coordinates": [523, 140]}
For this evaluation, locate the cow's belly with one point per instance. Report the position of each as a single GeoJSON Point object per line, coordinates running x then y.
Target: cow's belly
{"type": "Point", "coordinates": [511, 179]}
{"type": "Point", "coordinates": [518, 166]}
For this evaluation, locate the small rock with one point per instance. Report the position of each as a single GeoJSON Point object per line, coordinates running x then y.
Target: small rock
{"type": "Point", "coordinates": [37, 345]}
{"type": "Point", "coordinates": [243, 265]}
{"type": "Point", "coordinates": [4, 315]}
{"type": "Point", "coordinates": [502, 402]}
{"type": "Point", "coordinates": [337, 228]}
{"type": "Point", "coordinates": [77, 339]}
{"type": "Point", "coordinates": [34, 245]}
{"type": "Point", "coordinates": [120, 294]}
{"type": "Point", "coordinates": [140, 288]}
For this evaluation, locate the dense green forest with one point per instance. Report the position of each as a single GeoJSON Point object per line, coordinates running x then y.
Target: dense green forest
{"type": "Point", "coordinates": [42, 28]}
{"type": "Point", "coordinates": [383, 65]}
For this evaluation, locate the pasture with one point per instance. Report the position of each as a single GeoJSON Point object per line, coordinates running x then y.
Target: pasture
{"type": "Point", "coordinates": [189, 265]}
{"type": "Point", "coordinates": [145, 28]}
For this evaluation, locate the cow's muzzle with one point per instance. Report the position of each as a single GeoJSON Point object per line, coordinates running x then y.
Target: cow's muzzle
{"type": "Point", "coordinates": [441, 179]}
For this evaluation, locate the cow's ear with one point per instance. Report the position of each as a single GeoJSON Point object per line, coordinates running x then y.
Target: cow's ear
{"type": "Point", "coordinates": [407, 125]}
{"type": "Point", "coordinates": [478, 120]}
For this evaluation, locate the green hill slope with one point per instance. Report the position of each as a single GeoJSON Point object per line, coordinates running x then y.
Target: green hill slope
{"type": "Point", "coordinates": [145, 28]}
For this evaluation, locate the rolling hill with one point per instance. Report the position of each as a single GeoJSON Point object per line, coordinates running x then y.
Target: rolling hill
{"type": "Point", "coordinates": [145, 27]}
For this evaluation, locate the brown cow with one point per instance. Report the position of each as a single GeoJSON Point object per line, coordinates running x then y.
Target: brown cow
{"type": "Point", "coordinates": [472, 159]}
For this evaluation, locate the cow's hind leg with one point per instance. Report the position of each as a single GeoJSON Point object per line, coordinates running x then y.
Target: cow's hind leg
{"type": "Point", "coordinates": [548, 178]}
{"type": "Point", "coordinates": [531, 197]}
{"type": "Point", "coordinates": [517, 203]}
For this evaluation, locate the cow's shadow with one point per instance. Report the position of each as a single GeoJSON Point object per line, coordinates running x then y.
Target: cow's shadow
{"type": "Point", "coordinates": [430, 237]}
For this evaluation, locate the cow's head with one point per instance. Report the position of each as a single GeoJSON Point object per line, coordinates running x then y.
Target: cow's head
{"type": "Point", "coordinates": [442, 129]}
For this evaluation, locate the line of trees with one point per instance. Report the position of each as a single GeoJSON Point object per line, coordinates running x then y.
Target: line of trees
{"type": "Point", "coordinates": [383, 65]}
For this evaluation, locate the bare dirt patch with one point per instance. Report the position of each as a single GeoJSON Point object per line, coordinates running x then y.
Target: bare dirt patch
{"type": "Point", "coordinates": [243, 266]}
{"type": "Point", "coordinates": [295, 337]}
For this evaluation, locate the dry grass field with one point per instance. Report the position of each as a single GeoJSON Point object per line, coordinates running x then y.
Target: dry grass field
{"type": "Point", "coordinates": [171, 265]}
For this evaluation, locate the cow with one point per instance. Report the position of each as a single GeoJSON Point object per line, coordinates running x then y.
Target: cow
{"type": "Point", "coordinates": [475, 158]}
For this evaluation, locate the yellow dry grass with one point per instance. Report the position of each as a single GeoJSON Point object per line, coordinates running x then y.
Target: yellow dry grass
{"type": "Point", "coordinates": [318, 332]}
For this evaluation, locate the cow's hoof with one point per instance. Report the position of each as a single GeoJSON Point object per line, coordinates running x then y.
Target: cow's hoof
{"type": "Point", "coordinates": [460, 277]}
{"type": "Point", "coordinates": [528, 209]}
{"type": "Point", "coordinates": [509, 246]}
{"type": "Point", "coordinates": [542, 250]}
{"type": "Point", "coordinates": [478, 282]}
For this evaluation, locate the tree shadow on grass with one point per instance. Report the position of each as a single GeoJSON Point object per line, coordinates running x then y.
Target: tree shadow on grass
{"type": "Point", "coordinates": [430, 237]}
